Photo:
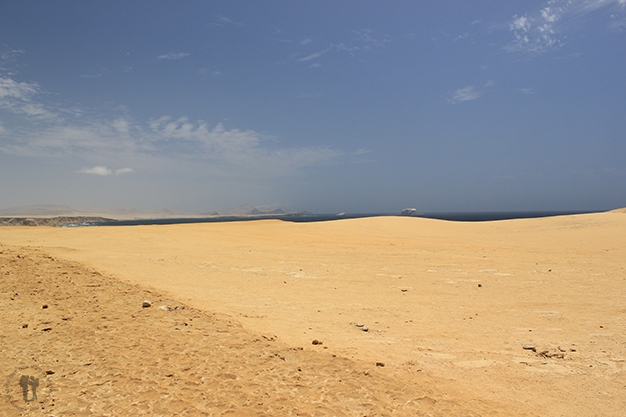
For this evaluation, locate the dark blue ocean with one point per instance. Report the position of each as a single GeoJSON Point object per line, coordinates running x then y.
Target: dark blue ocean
{"type": "Point", "coordinates": [459, 217]}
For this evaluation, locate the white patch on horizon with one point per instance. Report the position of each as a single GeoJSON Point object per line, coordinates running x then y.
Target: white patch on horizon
{"type": "Point", "coordinates": [104, 171]}
{"type": "Point", "coordinates": [97, 170]}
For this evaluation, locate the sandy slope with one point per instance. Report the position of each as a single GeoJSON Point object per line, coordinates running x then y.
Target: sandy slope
{"type": "Point", "coordinates": [447, 306]}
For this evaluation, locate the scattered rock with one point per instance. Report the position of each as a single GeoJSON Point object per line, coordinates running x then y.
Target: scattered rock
{"type": "Point", "coordinates": [166, 308]}
{"type": "Point", "coordinates": [360, 325]}
{"type": "Point", "coordinates": [146, 304]}
{"type": "Point", "coordinates": [50, 372]}
{"type": "Point", "coordinates": [480, 285]}
{"type": "Point", "coordinates": [381, 364]}
{"type": "Point", "coordinates": [44, 306]}
{"type": "Point", "coordinates": [25, 326]}
{"type": "Point", "coordinates": [529, 347]}
{"type": "Point", "coordinates": [317, 342]}
{"type": "Point", "coordinates": [404, 290]}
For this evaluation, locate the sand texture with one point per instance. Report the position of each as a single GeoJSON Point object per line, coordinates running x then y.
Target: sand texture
{"type": "Point", "coordinates": [518, 317]}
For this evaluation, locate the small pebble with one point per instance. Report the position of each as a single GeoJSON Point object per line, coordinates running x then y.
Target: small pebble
{"type": "Point", "coordinates": [317, 342]}
{"type": "Point", "coordinates": [381, 364]}
{"type": "Point", "coordinates": [146, 303]}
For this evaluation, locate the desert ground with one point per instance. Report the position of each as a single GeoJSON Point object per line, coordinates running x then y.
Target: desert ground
{"type": "Point", "coordinates": [385, 316]}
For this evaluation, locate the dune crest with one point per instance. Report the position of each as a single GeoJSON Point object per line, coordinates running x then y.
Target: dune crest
{"type": "Point", "coordinates": [488, 313]}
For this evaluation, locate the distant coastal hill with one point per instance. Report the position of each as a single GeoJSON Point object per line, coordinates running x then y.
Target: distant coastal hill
{"type": "Point", "coordinates": [60, 215]}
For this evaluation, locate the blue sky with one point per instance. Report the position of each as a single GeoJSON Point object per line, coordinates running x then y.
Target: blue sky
{"type": "Point", "coordinates": [325, 106]}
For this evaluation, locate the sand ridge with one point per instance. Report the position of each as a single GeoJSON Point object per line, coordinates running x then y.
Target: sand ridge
{"type": "Point", "coordinates": [524, 315]}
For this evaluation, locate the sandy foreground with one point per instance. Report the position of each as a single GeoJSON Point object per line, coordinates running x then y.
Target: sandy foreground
{"type": "Point", "coordinates": [413, 317]}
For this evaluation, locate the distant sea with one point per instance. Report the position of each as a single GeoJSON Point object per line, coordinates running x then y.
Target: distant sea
{"type": "Point", "coordinates": [460, 217]}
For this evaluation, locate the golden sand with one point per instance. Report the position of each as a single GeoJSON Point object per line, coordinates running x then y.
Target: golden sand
{"type": "Point", "coordinates": [517, 317]}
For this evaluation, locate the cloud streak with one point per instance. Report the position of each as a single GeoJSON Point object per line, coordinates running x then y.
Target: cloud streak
{"type": "Point", "coordinates": [314, 55]}
{"type": "Point", "coordinates": [174, 56]}
{"type": "Point", "coordinates": [464, 94]}
{"type": "Point", "coordinates": [362, 40]}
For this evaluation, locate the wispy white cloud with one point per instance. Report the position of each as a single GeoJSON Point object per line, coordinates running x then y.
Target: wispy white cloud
{"type": "Point", "coordinates": [618, 21]}
{"type": "Point", "coordinates": [314, 55]}
{"type": "Point", "coordinates": [173, 55]}
{"type": "Point", "coordinates": [306, 41]}
{"type": "Point", "coordinates": [219, 20]}
{"type": "Point", "coordinates": [159, 144]}
{"type": "Point", "coordinates": [464, 94]}
{"type": "Point", "coordinates": [11, 89]}
{"type": "Point", "coordinates": [370, 38]}
{"type": "Point", "coordinates": [530, 90]}
{"type": "Point", "coordinates": [17, 97]}
{"type": "Point", "coordinates": [546, 29]}
{"type": "Point", "coordinates": [104, 171]}
{"type": "Point", "coordinates": [309, 95]}
{"type": "Point", "coordinates": [209, 71]}
{"type": "Point", "coordinates": [362, 40]}
{"type": "Point", "coordinates": [98, 75]}
{"type": "Point", "coordinates": [97, 170]}
{"type": "Point", "coordinates": [123, 171]}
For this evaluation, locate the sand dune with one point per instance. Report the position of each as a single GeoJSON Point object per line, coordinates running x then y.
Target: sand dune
{"type": "Point", "coordinates": [519, 317]}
